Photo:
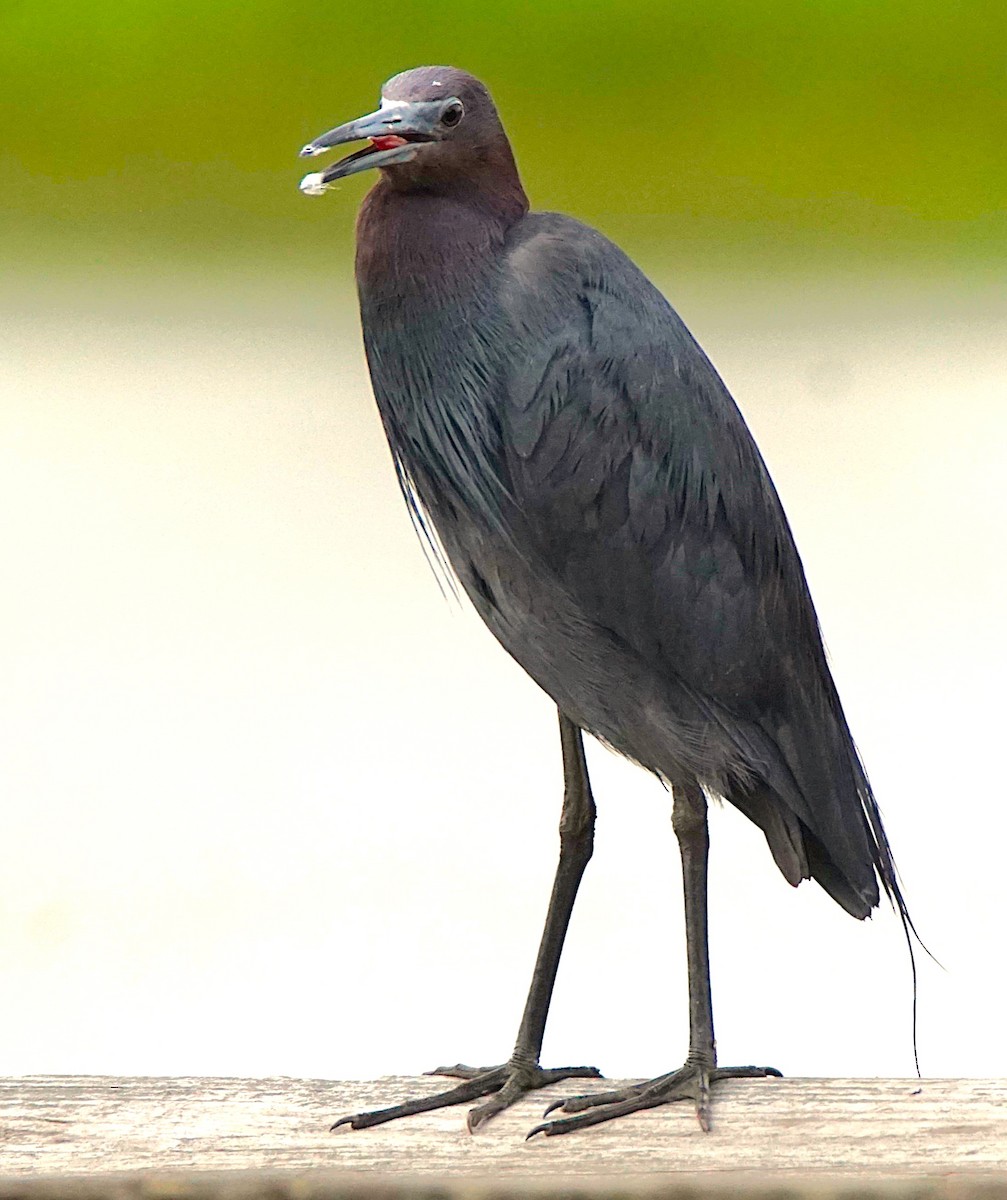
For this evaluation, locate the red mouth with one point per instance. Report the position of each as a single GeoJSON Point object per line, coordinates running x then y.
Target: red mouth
{"type": "Point", "coordinates": [387, 142]}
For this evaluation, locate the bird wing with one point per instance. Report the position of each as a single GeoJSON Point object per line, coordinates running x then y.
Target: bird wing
{"type": "Point", "coordinates": [620, 434]}
{"type": "Point", "coordinates": [641, 489]}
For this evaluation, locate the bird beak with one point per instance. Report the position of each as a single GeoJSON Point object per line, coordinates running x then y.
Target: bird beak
{"type": "Point", "coordinates": [393, 131]}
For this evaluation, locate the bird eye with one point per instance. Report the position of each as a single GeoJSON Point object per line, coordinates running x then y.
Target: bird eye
{"type": "Point", "coordinates": [452, 114]}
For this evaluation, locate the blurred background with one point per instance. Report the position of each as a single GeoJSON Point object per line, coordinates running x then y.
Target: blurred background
{"type": "Point", "coordinates": [272, 805]}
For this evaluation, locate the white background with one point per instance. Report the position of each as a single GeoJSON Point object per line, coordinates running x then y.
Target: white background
{"type": "Point", "coordinates": [273, 806]}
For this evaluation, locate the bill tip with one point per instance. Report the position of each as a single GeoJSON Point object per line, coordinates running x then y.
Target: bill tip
{"type": "Point", "coordinates": [313, 184]}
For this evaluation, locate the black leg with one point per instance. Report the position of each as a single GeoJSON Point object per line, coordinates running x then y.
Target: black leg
{"type": "Point", "coordinates": [688, 819]}
{"type": "Point", "coordinates": [522, 1072]}
{"type": "Point", "coordinates": [693, 1080]}
{"type": "Point", "coordinates": [576, 844]}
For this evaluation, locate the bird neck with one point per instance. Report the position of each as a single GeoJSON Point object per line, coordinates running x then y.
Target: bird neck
{"type": "Point", "coordinates": [428, 267]}
{"type": "Point", "coordinates": [433, 243]}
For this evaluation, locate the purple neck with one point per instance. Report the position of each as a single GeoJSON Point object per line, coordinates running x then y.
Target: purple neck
{"type": "Point", "coordinates": [432, 242]}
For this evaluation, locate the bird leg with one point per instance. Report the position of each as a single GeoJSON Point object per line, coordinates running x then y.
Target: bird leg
{"type": "Point", "coordinates": [691, 1081]}
{"type": "Point", "coordinates": [522, 1072]}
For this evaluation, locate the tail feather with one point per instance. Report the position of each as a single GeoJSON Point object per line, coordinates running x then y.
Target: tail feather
{"type": "Point", "coordinates": [839, 838]}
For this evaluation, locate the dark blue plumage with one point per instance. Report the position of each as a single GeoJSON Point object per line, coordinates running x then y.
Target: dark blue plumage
{"type": "Point", "coordinates": [582, 467]}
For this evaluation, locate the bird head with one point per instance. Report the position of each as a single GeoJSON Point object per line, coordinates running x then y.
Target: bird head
{"type": "Point", "coordinates": [435, 126]}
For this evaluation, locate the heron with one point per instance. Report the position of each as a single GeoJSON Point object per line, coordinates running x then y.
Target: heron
{"type": "Point", "coordinates": [565, 445]}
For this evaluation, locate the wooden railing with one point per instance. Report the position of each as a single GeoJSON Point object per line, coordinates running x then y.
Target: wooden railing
{"type": "Point", "coordinates": [96, 1138]}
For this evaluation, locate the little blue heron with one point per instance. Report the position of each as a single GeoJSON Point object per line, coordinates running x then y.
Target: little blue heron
{"type": "Point", "coordinates": [565, 444]}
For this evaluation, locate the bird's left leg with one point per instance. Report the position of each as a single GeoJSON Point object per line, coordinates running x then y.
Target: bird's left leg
{"type": "Point", "coordinates": [522, 1073]}
{"type": "Point", "coordinates": [691, 1081]}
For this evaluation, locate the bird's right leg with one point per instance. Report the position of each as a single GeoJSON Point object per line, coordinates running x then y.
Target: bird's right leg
{"type": "Point", "coordinates": [693, 1080]}
{"type": "Point", "coordinates": [522, 1072]}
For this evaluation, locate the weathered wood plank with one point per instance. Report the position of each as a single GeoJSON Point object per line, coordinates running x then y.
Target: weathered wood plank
{"type": "Point", "coordinates": [857, 1130]}
{"type": "Point", "coordinates": [324, 1184]}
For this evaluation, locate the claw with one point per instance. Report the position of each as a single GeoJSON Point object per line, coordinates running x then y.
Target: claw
{"type": "Point", "coordinates": [460, 1071]}
{"type": "Point", "coordinates": [510, 1081]}
{"type": "Point", "coordinates": [481, 1114]}
{"type": "Point", "coordinates": [691, 1082]}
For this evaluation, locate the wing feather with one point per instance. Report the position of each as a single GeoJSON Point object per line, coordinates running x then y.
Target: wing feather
{"type": "Point", "coordinates": [646, 496]}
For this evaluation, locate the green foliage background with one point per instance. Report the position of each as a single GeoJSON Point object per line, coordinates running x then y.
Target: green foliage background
{"type": "Point", "coordinates": [795, 132]}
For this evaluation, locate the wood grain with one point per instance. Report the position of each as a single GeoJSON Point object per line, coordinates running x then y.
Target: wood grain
{"type": "Point", "coordinates": [61, 1137]}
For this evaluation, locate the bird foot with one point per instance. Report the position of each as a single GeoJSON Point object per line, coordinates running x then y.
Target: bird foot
{"type": "Point", "coordinates": [691, 1082]}
{"type": "Point", "coordinates": [509, 1082]}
